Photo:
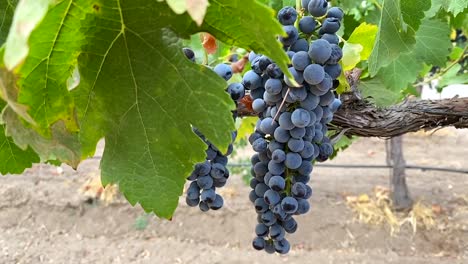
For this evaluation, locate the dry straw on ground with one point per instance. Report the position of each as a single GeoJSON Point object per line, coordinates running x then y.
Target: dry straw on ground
{"type": "Point", "coordinates": [377, 209]}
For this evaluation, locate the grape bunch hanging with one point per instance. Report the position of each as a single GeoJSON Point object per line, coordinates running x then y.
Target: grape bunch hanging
{"type": "Point", "coordinates": [213, 173]}
{"type": "Point", "coordinates": [291, 133]}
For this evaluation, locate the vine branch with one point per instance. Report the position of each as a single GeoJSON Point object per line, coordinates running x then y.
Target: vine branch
{"type": "Point", "coordinates": [361, 118]}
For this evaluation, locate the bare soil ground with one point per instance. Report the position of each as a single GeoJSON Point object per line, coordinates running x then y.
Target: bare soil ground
{"type": "Point", "coordinates": [45, 219]}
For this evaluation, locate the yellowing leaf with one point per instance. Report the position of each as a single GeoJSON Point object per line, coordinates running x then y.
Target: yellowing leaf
{"type": "Point", "coordinates": [351, 55]}
{"type": "Point", "coordinates": [195, 8]}
{"type": "Point", "coordinates": [27, 16]}
{"type": "Point", "coordinates": [246, 127]}
{"type": "Point", "coordinates": [364, 35]}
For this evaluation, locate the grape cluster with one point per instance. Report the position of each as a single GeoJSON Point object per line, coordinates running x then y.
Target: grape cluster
{"type": "Point", "coordinates": [292, 130]}
{"type": "Point", "coordinates": [212, 173]}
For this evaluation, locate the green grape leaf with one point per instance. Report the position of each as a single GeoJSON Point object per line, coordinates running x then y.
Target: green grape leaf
{"type": "Point", "coordinates": [432, 47]}
{"type": "Point", "coordinates": [453, 6]}
{"type": "Point", "coordinates": [255, 28]}
{"type": "Point", "coordinates": [395, 34]}
{"type": "Point", "coordinates": [7, 9]}
{"type": "Point", "coordinates": [374, 89]}
{"type": "Point", "coordinates": [453, 77]}
{"type": "Point", "coordinates": [195, 8]}
{"type": "Point", "coordinates": [14, 159]}
{"type": "Point", "coordinates": [139, 91]}
{"type": "Point", "coordinates": [412, 12]}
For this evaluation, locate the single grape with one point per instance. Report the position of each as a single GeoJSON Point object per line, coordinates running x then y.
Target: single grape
{"type": "Point", "coordinates": [305, 168]}
{"type": "Point", "coordinates": [277, 232]}
{"type": "Point", "coordinates": [300, 117]}
{"type": "Point", "coordinates": [334, 70]}
{"type": "Point", "coordinates": [336, 54]}
{"type": "Point", "coordinates": [293, 160]}
{"type": "Point", "coordinates": [268, 125]}
{"type": "Point", "coordinates": [320, 51]}
{"type": "Point", "coordinates": [326, 149]}
{"type": "Point", "coordinates": [260, 145]}
{"type": "Point", "coordinates": [252, 196]}
{"type": "Point", "coordinates": [314, 74]}
{"type": "Point", "coordinates": [297, 77]}
{"type": "Point", "coordinates": [282, 246]}
{"type": "Point", "coordinates": [254, 136]}
{"type": "Point", "coordinates": [307, 25]}
{"type": "Point", "coordinates": [224, 71]}
{"type": "Point", "coordinates": [217, 203]}
{"type": "Point", "coordinates": [236, 91]}
{"type": "Point", "coordinates": [208, 195]}
{"type": "Point", "coordinates": [330, 25]}
{"type": "Point", "coordinates": [273, 71]}
{"type": "Point", "coordinates": [276, 168]}
{"type": "Point", "coordinates": [261, 230]}
{"type": "Point", "coordinates": [331, 38]}
{"type": "Point", "coordinates": [300, 60]}
{"type": "Point", "coordinates": [203, 168]}
{"type": "Point", "coordinates": [273, 86]}
{"type": "Point", "coordinates": [189, 54]}
{"type": "Point", "coordinates": [278, 156]}
{"type": "Point", "coordinates": [285, 121]}
{"type": "Point", "coordinates": [292, 35]}
{"type": "Point", "coordinates": [277, 183]}
{"type": "Point", "coordinates": [261, 168]}
{"type": "Point", "coordinates": [326, 84]}
{"type": "Point", "coordinates": [290, 225]}
{"type": "Point", "coordinates": [192, 202]}
{"type": "Point", "coordinates": [335, 105]}
{"type": "Point", "coordinates": [272, 197]}
{"type": "Point", "coordinates": [251, 80]}
{"type": "Point", "coordinates": [260, 189]}
{"type": "Point", "coordinates": [298, 94]}
{"type": "Point", "coordinates": [203, 206]}
{"type": "Point", "coordinates": [193, 191]}
{"type": "Point", "coordinates": [260, 205]}
{"type": "Point", "coordinates": [315, 91]}
{"type": "Point", "coordinates": [258, 243]}
{"type": "Point", "coordinates": [268, 218]}
{"type": "Point", "coordinates": [258, 105]}
{"type": "Point", "coordinates": [327, 98]}
{"type": "Point", "coordinates": [300, 45]}
{"type": "Point", "coordinates": [335, 12]}
{"type": "Point", "coordinates": [295, 145]}
{"type": "Point", "coordinates": [299, 190]}
{"type": "Point", "coordinates": [287, 15]}
{"type": "Point", "coordinates": [310, 102]}
{"type": "Point", "coordinates": [289, 205]}
{"type": "Point", "coordinates": [303, 206]}
{"type": "Point", "coordinates": [297, 133]}
{"type": "Point", "coordinates": [274, 145]}
{"type": "Point", "coordinates": [205, 182]}
{"type": "Point", "coordinates": [281, 135]}
{"type": "Point", "coordinates": [317, 8]}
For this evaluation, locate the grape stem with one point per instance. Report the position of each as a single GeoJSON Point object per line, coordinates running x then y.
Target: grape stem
{"type": "Point", "coordinates": [281, 105]}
